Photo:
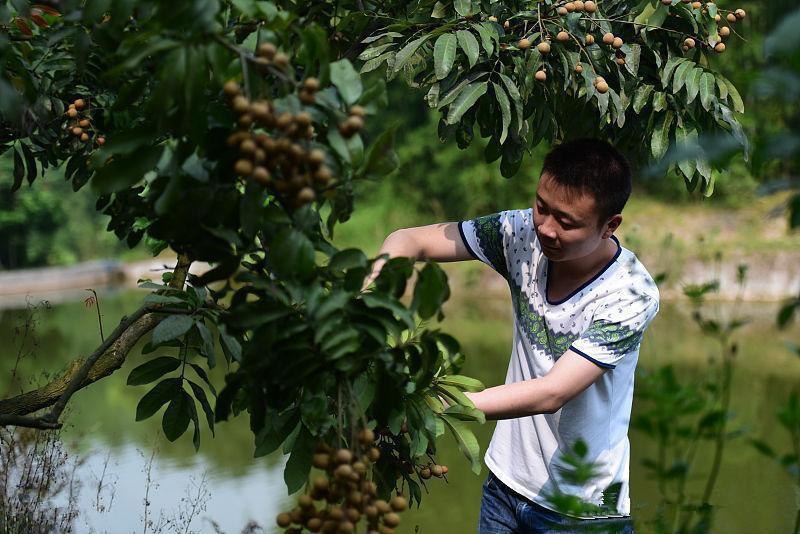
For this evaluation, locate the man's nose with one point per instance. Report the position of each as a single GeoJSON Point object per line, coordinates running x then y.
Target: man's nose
{"type": "Point", "coordinates": [547, 229]}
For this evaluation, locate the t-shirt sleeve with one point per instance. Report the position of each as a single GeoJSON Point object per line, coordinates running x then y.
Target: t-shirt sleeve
{"type": "Point", "coordinates": [616, 329]}
{"type": "Point", "coordinates": [487, 238]}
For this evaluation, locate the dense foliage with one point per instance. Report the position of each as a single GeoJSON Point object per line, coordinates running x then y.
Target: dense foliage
{"type": "Point", "coordinates": [233, 133]}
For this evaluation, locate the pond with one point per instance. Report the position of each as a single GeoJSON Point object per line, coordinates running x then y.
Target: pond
{"type": "Point", "coordinates": [228, 488]}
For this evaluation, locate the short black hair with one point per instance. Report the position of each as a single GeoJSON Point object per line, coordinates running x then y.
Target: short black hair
{"type": "Point", "coordinates": [594, 166]}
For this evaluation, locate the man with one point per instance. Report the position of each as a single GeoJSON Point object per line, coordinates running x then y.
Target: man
{"type": "Point", "coordinates": [581, 303]}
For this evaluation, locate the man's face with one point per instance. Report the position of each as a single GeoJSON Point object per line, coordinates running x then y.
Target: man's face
{"type": "Point", "coordinates": [567, 221]}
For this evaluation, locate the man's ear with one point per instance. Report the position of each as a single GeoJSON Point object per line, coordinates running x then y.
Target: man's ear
{"type": "Point", "coordinates": [611, 225]}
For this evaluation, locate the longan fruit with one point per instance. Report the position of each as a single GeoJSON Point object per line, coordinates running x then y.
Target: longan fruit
{"type": "Point", "coordinates": [76, 131]}
{"type": "Point", "coordinates": [311, 84]}
{"type": "Point", "coordinates": [608, 38]}
{"type": "Point", "coordinates": [696, 5]}
{"type": "Point", "coordinates": [79, 103]}
{"type": "Point", "coordinates": [358, 111]}
{"type": "Point", "coordinates": [84, 137]}
{"type": "Point", "coordinates": [717, 17]}
{"type": "Point", "coordinates": [303, 119]}
{"type": "Point", "coordinates": [570, 7]}
{"type": "Point", "coordinates": [445, 469]}
{"type": "Point", "coordinates": [267, 50]}
{"type": "Point", "coordinates": [306, 195]}
{"type": "Point", "coordinates": [617, 43]}
{"type": "Point", "coordinates": [281, 60]}
{"type": "Point", "coordinates": [231, 88]}
{"type": "Point", "coordinates": [562, 11]}
{"type": "Point", "coordinates": [492, 18]}
{"type": "Point", "coordinates": [666, 2]}
{"type": "Point", "coordinates": [398, 503]}
{"type": "Point", "coordinates": [240, 104]}
{"type": "Point", "coordinates": [321, 460]}
{"type": "Point", "coordinates": [243, 167]}
{"type": "Point", "coordinates": [730, 17]}
{"type": "Point", "coordinates": [391, 519]}
{"type": "Point", "coordinates": [261, 175]}
{"type": "Point", "coordinates": [579, 5]}
{"type": "Point", "coordinates": [724, 31]}
{"type": "Point", "coordinates": [248, 146]}
{"type": "Point", "coordinates": [506, 25]}
{"type": "Point", "coordinates": [589, 6]}
{"type": "Point", "coordinates": [602, 87]}
{"type": "Point", "coordinates": [72, 113]}
{"type": "Point", "coordinates": [283, 520]}
{"type": "Point", "coordinates": [719, 48]}
{"type": "Point", "coordinates": [84, 123]}
{"type": "Point", "coordinates": [579, 68]}
{"type": "Point", "coordinates": [543, 47]}
{"type": "Point", "coordinates": [540, 76]}
{"type": "Point", "coordinates": [562, 36]}
{"type": "Point", "coordinates": [589, 39]}
{"type": "Point", "coordinates": [523, 44]}
{"type": "Point", "coordinates": [436, 470]}
{"type": "Point", "coordinates": [245, 120]}
{"type": "Point", "coordinates": [101, 140]}
{"type": "Point", "coordinates": [689, 42]}
{"type": "Point", "coordinates": [382, 506]}
{"type": "Point", "coordinates": [740, 14]}
{"type": "Point", "coordinates": [366, 436]}
{"type": "Point", "coordinates": [425, 472]}
{"type": "Point", "coordinates": [374, 452]}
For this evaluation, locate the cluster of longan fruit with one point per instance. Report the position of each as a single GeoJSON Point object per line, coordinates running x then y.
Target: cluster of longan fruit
{"type": "Point", "coordinates": [339, 499]}
{"type": "Point", "coordinates": [732, 17]}
{"type": "Point", "coordinates": [274, 147]}
{"type": "Point", "coordinates": [80, 123]}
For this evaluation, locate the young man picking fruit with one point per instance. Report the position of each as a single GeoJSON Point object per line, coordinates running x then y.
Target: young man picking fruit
{"type": "Point", "coordinates": [581, 303]}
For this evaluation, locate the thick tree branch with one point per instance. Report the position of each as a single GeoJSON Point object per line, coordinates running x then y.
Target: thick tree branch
{"type": "Point", "coordinates": [108, 357]}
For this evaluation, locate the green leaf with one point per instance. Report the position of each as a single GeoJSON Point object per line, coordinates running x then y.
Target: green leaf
{"type": "Point", "coordinates": [733, 93]}
{"type": "Point", "coordinates": [374, 63]}
{"type": "Point", "coordinates": [207, 349]}
{"type": "Point", "coordinates": [666, 73]}
{"type": "Point", "coordinates": [516, 99]}
{"type": "Point", "coordinates": [19, 171]}
{"type": "Point", "coordinates": [292, 255]}
{"type": "Point", "coordinates": [462, 382]}
{"type": "Point", "coordinates": [693, 84]}
{"type": "Point", "coordinates": [488, 35]}
{"type": "Point", "coordinates": [172, 327]}
{"type": "Point", "coordinates": [346, 80]}
{"type": "Point", "coordinates": [200, 395]}
{"type": "Point", "coordinates": [299, 465]}
{"type": "Point", "coordinates": [157, 397]}
{"type": "Point", "coordinates": [707, 95]}
{"type": "Point", "coordinates": [463, 7]}
{"type": "Point", "coordinates": [466, 441]}
{"type": "Point", "coordinates": [122, 172]}
{"type": "Point", "coordinates": [30, 162]}
{"type": "Point", "coordinates": [231, 347]}
{"type": "Point", "coordinates": [347, 259]}
{"type": "Point", "coordinates": [407, 51]}
{"type": "Point", "coordinates": [469, 44]}
{"type": "Point", "coordinates": [381, 158]}
{"type": "Point", "coordinates": [455, 395]}
{"type": "Point", "coordinates": [465, 100]}
{"type": "Point", "coordinates": [684, 136]}
{"type": "Point", "coordinates": [152, 370]}
{"type": "Point", "coordinates": [659, 142]}
{"type": "Point", "coordinates": [444, 54]}
{"type": "Point", "coordinates": [455, 91]}
{"type": "Point", "coordinates": [641, 97]}
{"type": "Point", "coordinates": [463, 413]}
{"type": "Point", "coordinates": [204, 376]}
{"type": "Point", "coordinates": [177, 415]}
{"type": "Point", "coordinates": [430, 291]}
{"type": "Point", "coordinates": [679, 79]}
{"type": "Point", "coordinates": [505, 110]}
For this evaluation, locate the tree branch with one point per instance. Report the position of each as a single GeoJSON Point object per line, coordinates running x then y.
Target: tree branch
{"type": "Point", "coordinates": [106, 359]}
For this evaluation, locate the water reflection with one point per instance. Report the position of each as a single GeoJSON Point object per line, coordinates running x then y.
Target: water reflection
{"type": "Point", "coordinates": [242, 488]}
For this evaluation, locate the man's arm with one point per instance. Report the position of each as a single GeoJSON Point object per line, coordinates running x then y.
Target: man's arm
{"type": "Point", "coordinates": [570, 375]}
{"type": "Point", "coordinates": [439, 242]}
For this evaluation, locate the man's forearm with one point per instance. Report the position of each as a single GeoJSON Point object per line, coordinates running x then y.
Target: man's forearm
{"type": "Point", "coordinates": [396, 245]}
{"type": "Point", "coordinates": [519, 399]}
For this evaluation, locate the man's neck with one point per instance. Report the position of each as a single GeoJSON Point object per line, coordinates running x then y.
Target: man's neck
{"type": "Point", "coordinates": [586, 266]}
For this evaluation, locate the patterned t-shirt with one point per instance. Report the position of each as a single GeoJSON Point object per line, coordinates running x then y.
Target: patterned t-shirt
{"type": "Point", "coordinates": [603, 321]}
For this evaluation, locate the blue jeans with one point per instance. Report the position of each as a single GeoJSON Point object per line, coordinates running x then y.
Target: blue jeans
{"type": "Point", "coordinates": [504, 511]}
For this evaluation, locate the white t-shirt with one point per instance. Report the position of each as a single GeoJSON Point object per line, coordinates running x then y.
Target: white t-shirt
{"type": "Point", "coordinates": [603, 321]}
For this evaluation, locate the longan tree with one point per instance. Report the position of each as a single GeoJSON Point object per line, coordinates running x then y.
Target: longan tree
{"type": "Point", "coordinates": [235, 132]}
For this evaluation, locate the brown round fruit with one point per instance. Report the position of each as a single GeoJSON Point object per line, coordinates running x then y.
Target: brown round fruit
{"type": "Point", "coordinates": [79, 103]}
{"type": "Point", "coordinates": [267, 50]}
{"type": "Point", "coordinates": [261, 175]}
{"type": "Point", "coordinates": [240, 104]}
{"type": "Point", "coordinates": [719, 48]}
{"type": "Point", "coordinates": [620, 61]}
{"type": "Point", "coordinates": [602, 87]}
{"type": "Point", "coordinates": [523, 44]}
{"type": "Point", "coordinates": [540, 76]}
{"type": "Point", "coordinates": [570, 6]}
{"type": "Point", "coordinates": [84, 137]}
{"type": "Point", "coordinates": [724, 31]}
{"type": "Point", "coordinates": [436, 470]}
{"type": "Point", "coordinates": [72, 113]}
{"type": "Point", "coordinates": [562, 11]}
{"type": "Point", "coordinates": [689, 42]}
{"type": "Point", "coordinates": [492, 19]}
{"type": "Point", "coordinates": [391, 519]}
{"type": "Point", "coordinates": [740, 14]}
{"type": "Point", "coordinates": [608, 38]}
{"type": "Point", "coordinates": [358, 111]}
{"type": "Point", "coordinates": [579, 5]}
{"type": "Point", "coordinates": [506, 25]}
{"type": "Point", "coordinates": [248, 146]}
{"type": "Point", "coordinates": [230, 88]}
{"type": "Point", "coordinates": [84, 123]}
{"type": "Point", "coordinates": [76, 131]}
{"type": "Point", "coordinates": [398, 503]}
{"type": "Point", "coordinates": [425, 473]}
{"type": "Point", "coordinates": [562, 37]}
{"type": "Point", "coordinates": [382, 506]}
{"type": "Point", "coordinates": [281, 60]}
{"type": "Point", "coordinates": [283, 520]}
{"type": "Point", "coordinates": [697, 5]}
{"type": "Point", "coordinates": [101, 140]}
{"type": "Point", "coordinates": [307, 195]}
{"type": "Point", "coordinates": [589, 6]}
{"type": "Point", "coordinates": [543, 47]}
{"type": "Point", "coordinates": [666, 2]}
{"type": "Point", "coordinates": [589, 39]}
{"type": "Point", "coordinates": [717, 17]}
{"type": "Point", "coordinates": [579, 68]}
{"type": "Point", "coordinates": [311, 84]}
{"type": "Point", "coordinates": [366, 436]}
{"type": "Point", "coordinates": [730, 17]}
{"type": "Point", "coordinates": [321, 461]}
{"type": "Point", "coordinates": [343, 456]}
{"type": "Point", "coordinates": [617, 43]}
{"type": "Point", "coordinates": [243, 167]}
